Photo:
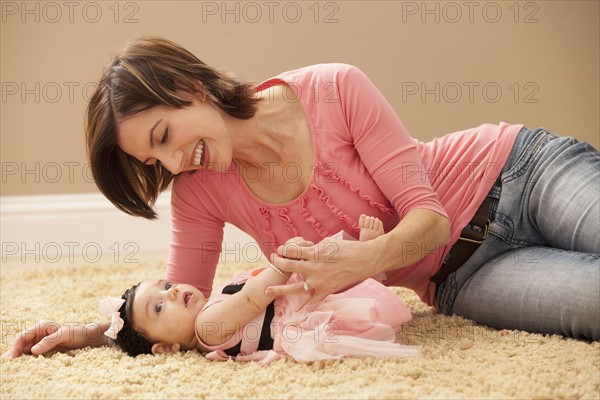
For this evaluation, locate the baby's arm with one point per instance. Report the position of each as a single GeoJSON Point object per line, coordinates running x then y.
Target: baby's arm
{"type": "Point", "coordinates": [238, 309]}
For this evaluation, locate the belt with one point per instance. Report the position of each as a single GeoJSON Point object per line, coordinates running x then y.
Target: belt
{"type": "Point", "coordinates": [470, 238]}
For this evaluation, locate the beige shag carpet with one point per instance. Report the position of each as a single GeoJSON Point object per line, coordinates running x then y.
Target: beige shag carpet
{"type": "Point", "coordinates": [459, 359]}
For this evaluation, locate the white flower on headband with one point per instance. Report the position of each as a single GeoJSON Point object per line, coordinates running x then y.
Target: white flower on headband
{"type": "Point", "coordinates": [109, 307]}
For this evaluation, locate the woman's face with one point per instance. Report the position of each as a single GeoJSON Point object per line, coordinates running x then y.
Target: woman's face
{"type": "Point", "coordinates": [181, 139]}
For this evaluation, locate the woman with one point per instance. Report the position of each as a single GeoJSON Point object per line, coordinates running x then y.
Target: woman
{"type": "Point", "coordinates": [497, 223]}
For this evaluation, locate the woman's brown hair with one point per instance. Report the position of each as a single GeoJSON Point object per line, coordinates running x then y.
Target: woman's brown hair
{"type": "Point", "coordinates": [147, 72]}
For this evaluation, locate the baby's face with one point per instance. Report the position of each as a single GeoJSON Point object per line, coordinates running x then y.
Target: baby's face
{"type": "Point", "coordinates": [166, 312]}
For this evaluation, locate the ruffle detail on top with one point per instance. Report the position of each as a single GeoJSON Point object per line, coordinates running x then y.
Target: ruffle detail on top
{"type": "Point", "coordinates": [288, 221]}
{"type": "Point", "coordinates": [320, 194]}
{"type": "Point", "coordinates": [308, 217]}
{"type": "Point", "coordinates": [336, 211]}
{"type": "Point", "coordinates": [361, 321]}
{"type": "Point", "coordinates": [267, 224]}
{"type": "Point", "coordinates": [331, 174]}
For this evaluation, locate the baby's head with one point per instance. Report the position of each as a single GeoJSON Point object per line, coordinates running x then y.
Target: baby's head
{"type": "Point", "coordinates": [158, 317]}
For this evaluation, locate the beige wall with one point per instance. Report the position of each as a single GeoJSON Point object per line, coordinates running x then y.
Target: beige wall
{"type": "Point", "coordinates": [542, 55]}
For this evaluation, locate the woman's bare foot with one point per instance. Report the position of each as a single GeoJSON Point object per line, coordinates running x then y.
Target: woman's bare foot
{"type": "Point", "coordinates": [370, 227]}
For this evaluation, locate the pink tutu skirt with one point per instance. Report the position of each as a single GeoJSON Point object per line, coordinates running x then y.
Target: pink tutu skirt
{"type": "Point", "coordinates": [361, 321]}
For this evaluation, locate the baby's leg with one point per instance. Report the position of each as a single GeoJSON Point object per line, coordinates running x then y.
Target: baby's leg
{"type": "Point", "coordinates": [370, 227]}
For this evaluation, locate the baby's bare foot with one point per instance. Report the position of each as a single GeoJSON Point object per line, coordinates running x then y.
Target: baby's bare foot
{"type": "Point", "coordinates": [370, 227]}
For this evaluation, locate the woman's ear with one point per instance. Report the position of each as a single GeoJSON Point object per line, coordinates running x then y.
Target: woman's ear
{"type": "Point", "coordinates": [165, 348]}
{"type": "Point", "coordinates": [200, 91]}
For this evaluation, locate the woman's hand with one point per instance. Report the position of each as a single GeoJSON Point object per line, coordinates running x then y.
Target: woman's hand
{"type": "Point", "coordinates": [328, 267]}
{"type": "Point", "coordinates": [334, 265]}
{"type": "Point", "coordinates": [45, 336]}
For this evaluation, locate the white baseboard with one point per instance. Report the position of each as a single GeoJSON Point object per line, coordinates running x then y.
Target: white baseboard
{"type": "Point", "coordinates": [87, 227]}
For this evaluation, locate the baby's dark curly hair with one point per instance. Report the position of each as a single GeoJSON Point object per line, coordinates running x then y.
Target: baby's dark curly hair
{"type": "Point", "coordinates": [132, 342]}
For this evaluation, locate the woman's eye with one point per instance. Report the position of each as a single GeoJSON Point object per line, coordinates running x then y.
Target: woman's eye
{"type": "Point", "coordinates": [165, 136]}
{"type": "Point", "coordinates": [158, 308]}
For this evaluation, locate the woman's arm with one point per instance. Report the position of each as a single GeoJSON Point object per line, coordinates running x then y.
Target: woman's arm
{"type": "Point", "coordinates": [392, 159]}
{"type": "Point", "coordinates": [418, 234]}
{"type": "Point", "coordinates": [196, 233]}
{"type": "Point", "coordinates": [45, 336]}
{"type": "Point", "coordinates": [233, 313]}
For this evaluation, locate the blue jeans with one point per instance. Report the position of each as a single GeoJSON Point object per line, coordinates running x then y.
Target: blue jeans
{"type": "Point", "coordinates": [539, 268]}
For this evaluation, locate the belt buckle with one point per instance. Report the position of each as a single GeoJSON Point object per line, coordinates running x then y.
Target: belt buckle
{"type": "Point", "coordinates": [486, 230]}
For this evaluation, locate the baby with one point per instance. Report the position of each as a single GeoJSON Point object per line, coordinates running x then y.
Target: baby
{"type": "Point", "coordinates": [241, 322]}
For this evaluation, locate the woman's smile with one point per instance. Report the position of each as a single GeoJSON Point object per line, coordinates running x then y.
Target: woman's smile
{"type": "Point", "coordinates": [197, 157]}
{"type": "Point", "coordinates": [193, 131]}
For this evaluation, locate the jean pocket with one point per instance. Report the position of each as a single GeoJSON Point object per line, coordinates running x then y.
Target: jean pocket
{"type": "Point", "coordinates": [526, 147]}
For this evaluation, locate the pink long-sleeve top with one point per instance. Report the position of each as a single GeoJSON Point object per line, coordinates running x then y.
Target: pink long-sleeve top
{"type": "Point", "coordinates": [364, 162]}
